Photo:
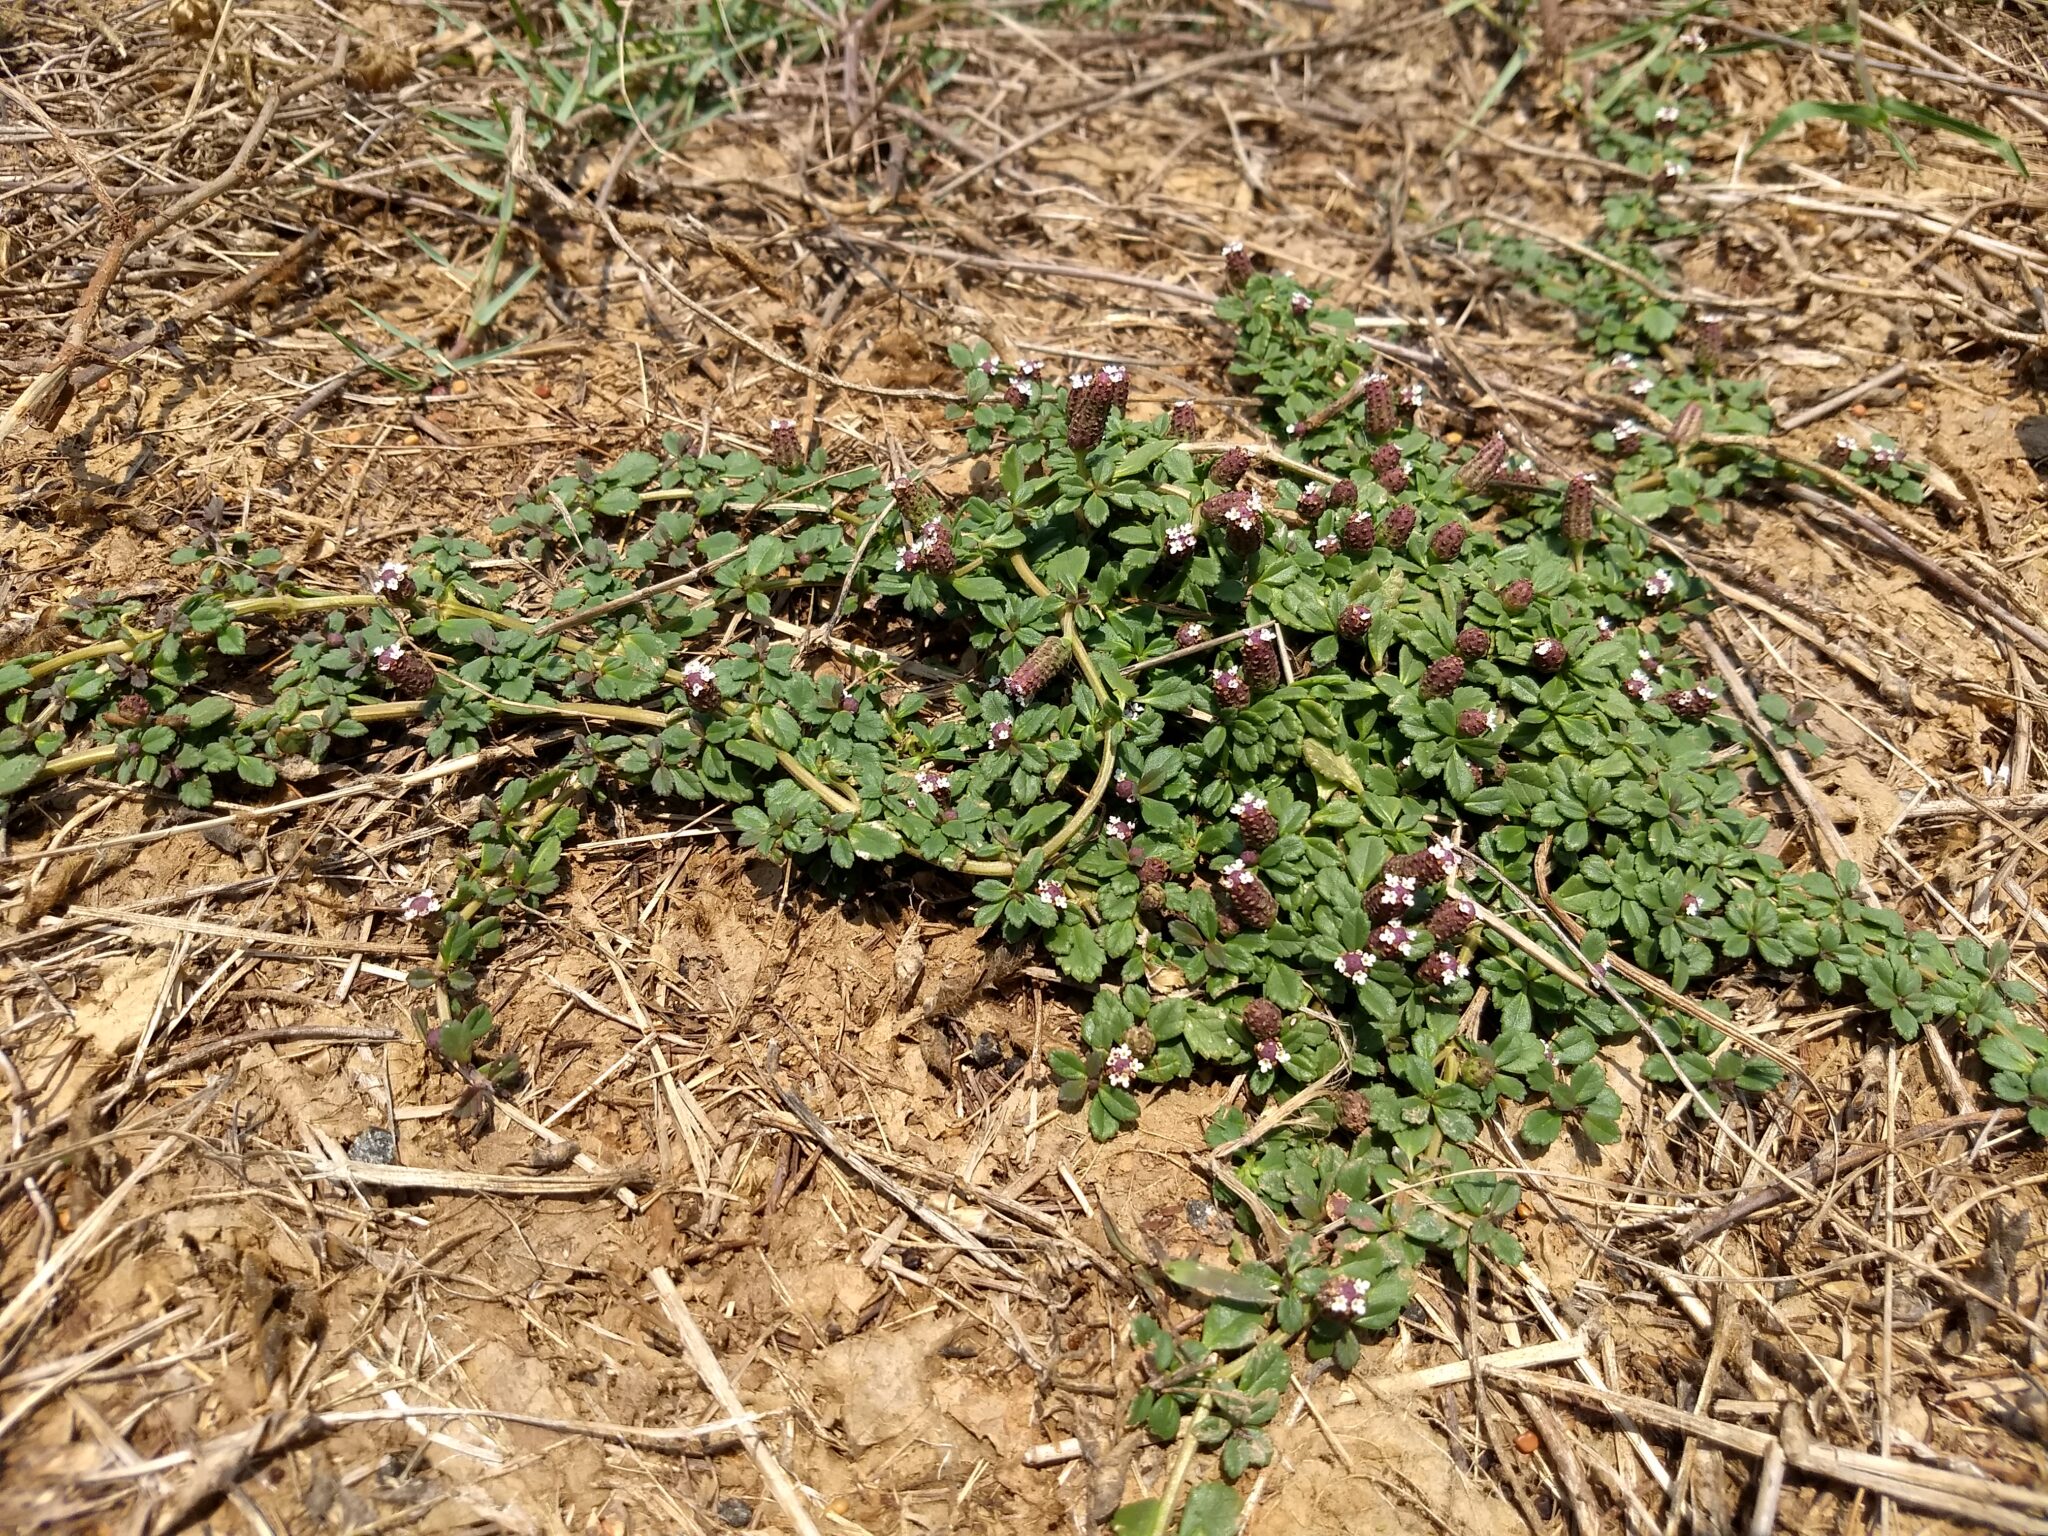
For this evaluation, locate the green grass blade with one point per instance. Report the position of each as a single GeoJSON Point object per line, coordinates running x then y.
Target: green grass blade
{"type": "Point", "coordinates": [1926, 117]}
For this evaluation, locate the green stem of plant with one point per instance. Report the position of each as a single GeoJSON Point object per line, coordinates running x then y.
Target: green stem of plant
{"type": "Point", "coordinates": [1184, 1457]}
{"type": "Point", "coordinates": [287, 605]}
{"type": "Point", "coordinates": [99, 757]}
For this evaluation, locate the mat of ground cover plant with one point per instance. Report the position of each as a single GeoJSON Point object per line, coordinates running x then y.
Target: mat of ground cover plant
{"type": "Point", "coordinates": [227, 228]}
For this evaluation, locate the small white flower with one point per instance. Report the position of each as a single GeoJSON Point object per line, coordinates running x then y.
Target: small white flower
{"type": "Point", "coordinates": [1673, 169]}
{"type": "Point", "coordinates": [1133, 710]}
{"type": "Point", "coordinates": [1271, 1054]}
{"type": "Point", "coordinates": [1598, 970]}
{"type": "Point", "coordinates": [1345, 1296]}
{"type": "Point", "coordinates": [1691, 905]}
{"type": "Point", "coordinates": [1667, 114]}
{"type": "Point", "coordinates": [1024, 390]}
{"type": "Point", "coordinates": [1626, 361]}
{"type": "Point", "coordinates": [1642, 387]}
{"type": "Point", "coordinates": [1638, 685]}
{"type": "Point", "coordinates": [1113, 373]}
{"type": "Point", "coordinates": [1353, 963]}
{"type": "Point", "coordinates": [933, 781]}
{"type": "Point", "coordinates": [1235, 874]}
{"type": "Point", "coordinates": [1189, 634]}
{"type": "Point", "coordinates": [1326, 545]}
{"type": "Point", "coordinates": [1883, 455]}
{"type": "Point", "coordinates": [1547, 650]}
{"type": "Point", "coordinates": [1029, 368]}
{"type": "Point", "coordinates": [1413, 394]}
{"type": "Point", "coordinates": [1235, 248]}
{"type": "Point", "coordinates": [1694, 39]}
{"type": "Point", "coordinates": [781, 424]}
{"type": "Point", "coordinates": [1181, 539]}
{"type": "Point", "coordinates": [1079, 381]}
{"type": "Point", "coordinates": [1052, 893]}
{"type": "Point", "coordinates": [387, 656]}
{"type": "Point", "coordinates": [1394, 939]}
{"type": "Point", "coordinates": [698, 676]}
{"type": "Point", "coordinates": [1301, 303]}
{"type": "Point", "coordinates": [1626, 432]}
{"type": "Point", "coordinates": [390, 577]}
{"type": "Point", "coordinates": [910, 556]}
{"type": "Point", "coordinates": [421, 904]}
{"type": "Point", "coordinates": [1659, 584]}
{"type": "Point", "coordinates": [1000, 732]}
{"type": "Point", "coordinates": [1121, 1068]}
{"type": "Point", "coordinates": [1396, 891]}
{"type": "Point", "coordinates": [991, 365]}
{"type": "Point", "coordinates": [1119, 829]}
{"type": "Point", "coordinates": [1606, 624]}
{"type": "Point", "coordinates": [1248, 802]}
{"type": "Point", "coordinates": [1443, 853]}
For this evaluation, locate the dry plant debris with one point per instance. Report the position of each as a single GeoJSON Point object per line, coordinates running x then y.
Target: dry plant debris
{"type": "Point", "coordinates": [340, 355]}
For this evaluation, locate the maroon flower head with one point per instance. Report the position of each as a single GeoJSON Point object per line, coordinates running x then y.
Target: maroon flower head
{"type": "Point", "coordinates": [1311, 502]}
{"type": "Point", "coordinates": [1087, 415]}
{"type": "Point", "coordinates": [1262, 1019]}
{"type": "Point", "coordinates": [1396, 526]}
{"type": "Point", "coordinates": [1380, 420]}
{"type": "Point", "coordinates": [1445, 543]}
{"type": "Point", "coordinates": [1257, 825]}
{"type": "Point", "coordinates": [1475, 722]}
{"type": "Point", "coordinates": [1344, 493]}
{"type": "Point", "coordinates": [1474, 643]}
{"type": "Point", "coordinates": [1230, 466]}
{"type": "Point", "coordinates": [1485, 464]}
{"type": "Point", "coordinates": [1578, 509]}
{"type": "Point", "coordinates": [1355, 622]}
{"type": "Point", "coordinates": [1262, 659]}
{"type": "Point", "coordinates": [1039, 668]}
{"type": "Point", "coordinates": [1548, 655]}
{"type": "Point", "coordinates": [1517, 595]}
{"type": "Point", "coordinates": [1244, 524]}
{"type": "Point", "coordinates": [1442, 676]}
{"type": "Point", "coordinates": [1237, 264]}
{"type": "Point", "coordinates": [1353, 1113]}
{"type": "Point", "coordinates": [1182, 420]}
{"type": "Point", "coordinates": [1450, 919]}
{"type": "Point", "coordinates": [1253, 903]}
{"type": "Point", "coordinates": [1441, 969]}
{"type": "Point", "coordinates": [1688, 703]}
{"type": "Point", "coordinates": [783, 447]}
{"type": "Point", "coordinates": [1230, 689]}
{"type": "Point", "coordinates": [1189, 634]}
{"type": "Point", "coordinates": [1153, 871]}
{"type": "Point", "coordinates": [1356, 536]}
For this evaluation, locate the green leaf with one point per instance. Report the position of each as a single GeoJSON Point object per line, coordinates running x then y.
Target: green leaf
{"type": "Point", "coordinates": [1211, 1510]}
{"type": "Point", "coordinates": [1229, 1326]}
{"type": "Point", "coordinates": [1139, 1519]}
{"type": "Point", "coordinates": [1221, 1284]}
{"type": "Point", "coordinates": [1330, 766]}
{"type": "Point", "coordinates": [873, 839]}
{"type": "Point", "coordinates": [18, 772]}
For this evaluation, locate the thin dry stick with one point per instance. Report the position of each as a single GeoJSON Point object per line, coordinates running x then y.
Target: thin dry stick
{"type": "Point", "coordinates": [453, 1180]}
{"type": "Point", "coordinates": [719, 1385]}
{"type": "Point", "coordinates": [2002, 1506]}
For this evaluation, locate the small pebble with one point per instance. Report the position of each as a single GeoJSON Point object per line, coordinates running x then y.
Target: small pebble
{"type": "Point", "coordinates": [376, 1145]}
{"type": "Point", "coordinates": [737, 1513]}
